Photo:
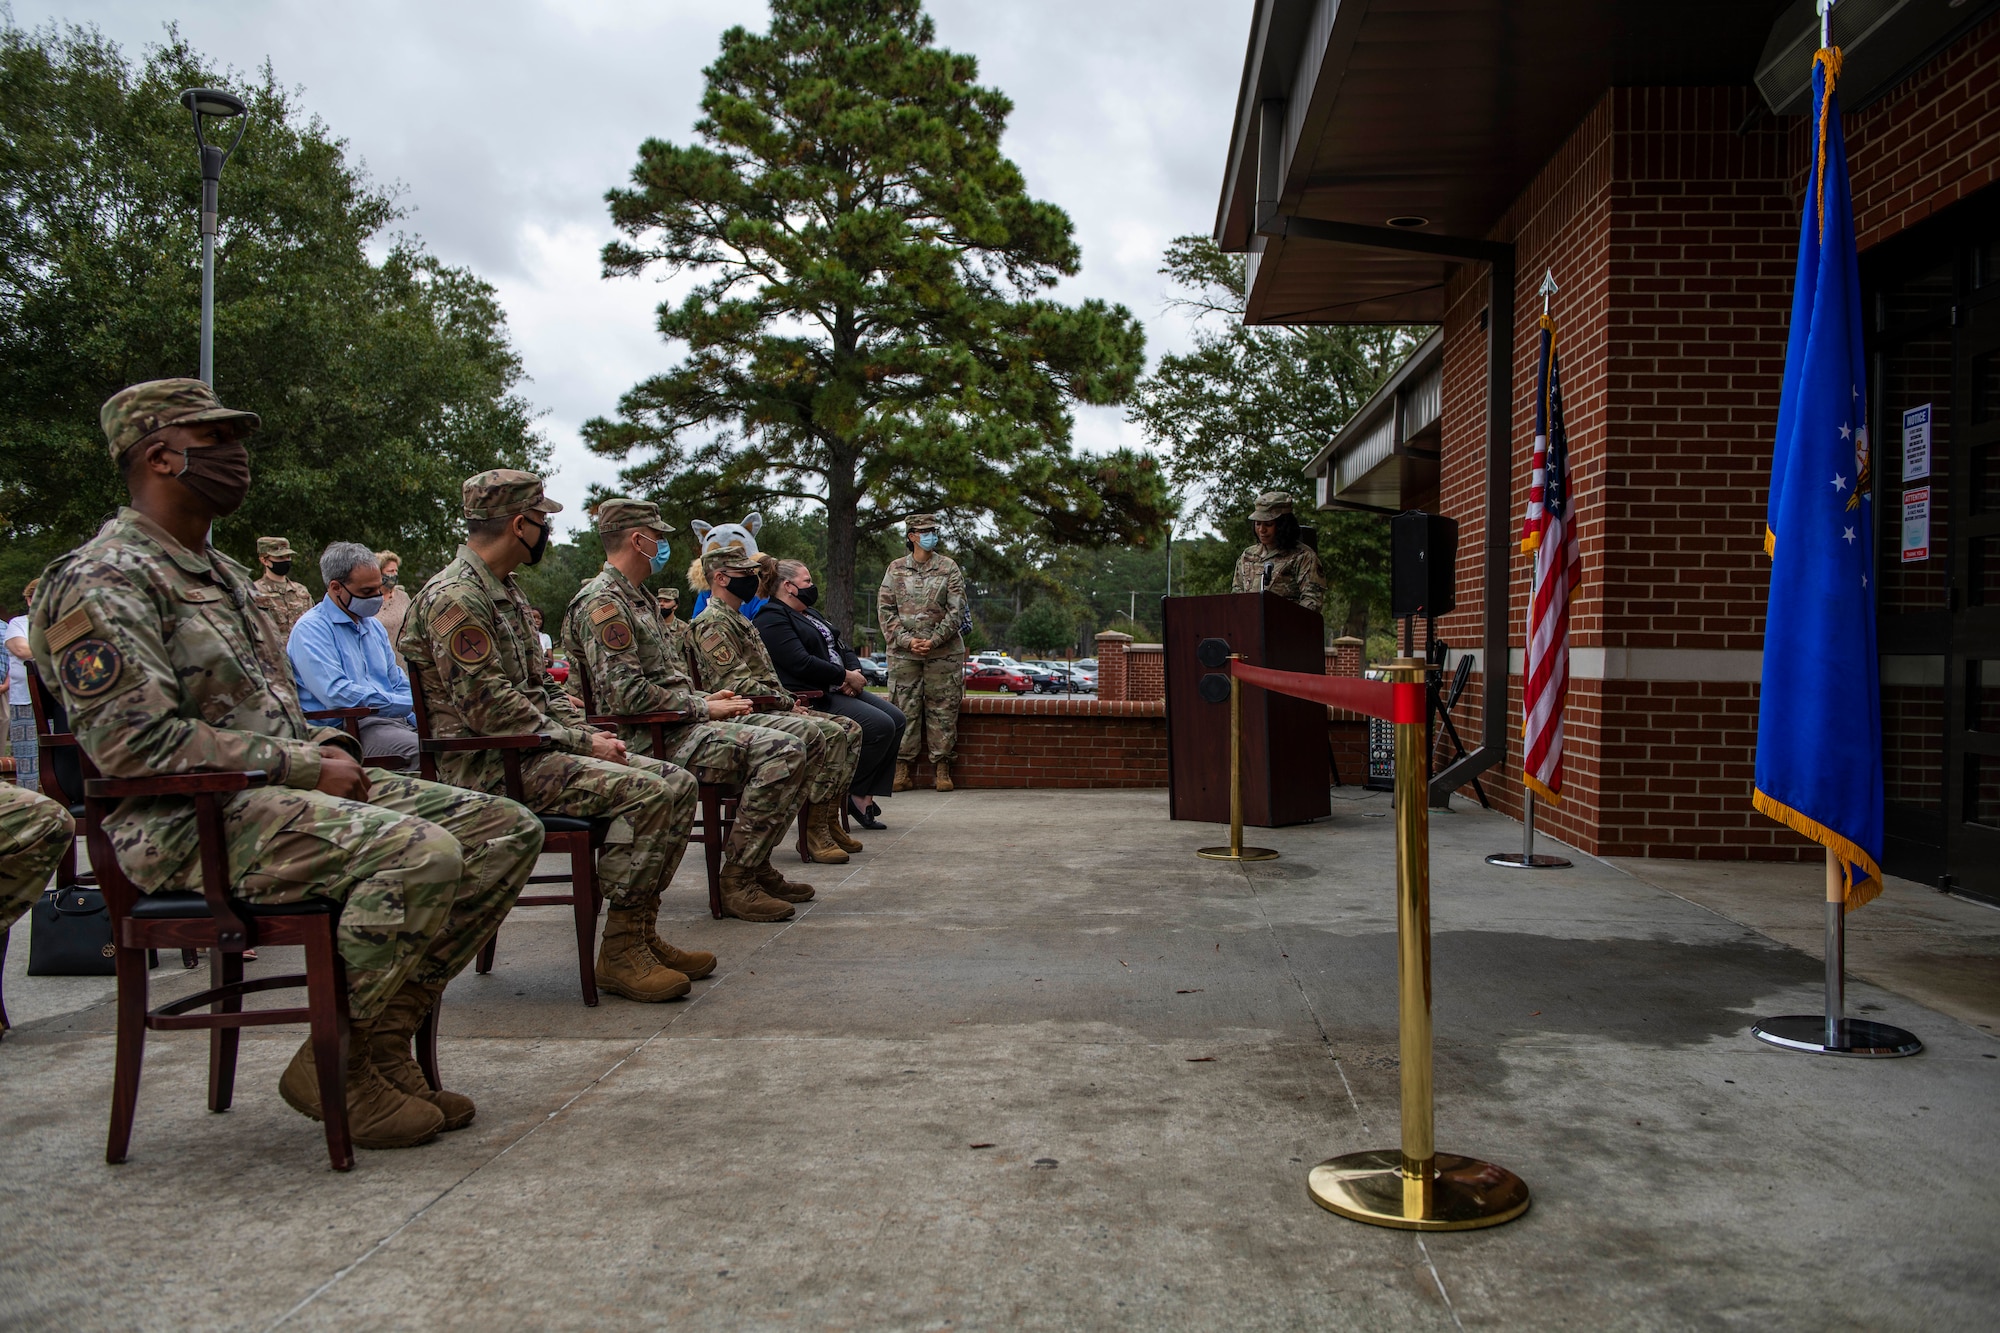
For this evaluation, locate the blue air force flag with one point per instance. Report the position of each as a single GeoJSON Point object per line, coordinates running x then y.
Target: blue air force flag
{"type": "Point", "coordinates": [1819, 728]}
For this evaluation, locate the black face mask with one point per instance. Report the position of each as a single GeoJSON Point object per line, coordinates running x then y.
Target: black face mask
{"type": "Point", "coordinates": [743, 587]}
{"type": "Point", "coordinates": [541, 546]}
{"type": "Point", "coordinates": [808, 594]}
{"type": "Point", "coordinates": [281, 567]}
{"type": "Point", "coordinates": [218, 473]}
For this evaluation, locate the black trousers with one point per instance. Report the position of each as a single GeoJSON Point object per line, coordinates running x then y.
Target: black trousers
{"type": "Point", "coordinates": [882, 726]}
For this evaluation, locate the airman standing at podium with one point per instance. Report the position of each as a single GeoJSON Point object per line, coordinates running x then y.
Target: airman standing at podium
{"type": "Point", "coordinates": [1279, 561]}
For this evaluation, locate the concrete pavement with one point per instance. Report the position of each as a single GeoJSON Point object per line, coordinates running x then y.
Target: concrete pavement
{"type": "Point", "coordinates": [1028, 1063]}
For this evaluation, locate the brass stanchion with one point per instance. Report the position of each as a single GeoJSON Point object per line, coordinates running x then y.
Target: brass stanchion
{"type": "Point", "coordinates": [1416, 1188]}
{"type": "Point", "coordinates": [1236, 851]}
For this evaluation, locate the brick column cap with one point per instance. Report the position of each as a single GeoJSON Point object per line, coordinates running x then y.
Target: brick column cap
{"type": "Point", "coordinates": [1113, 636]}
{"type": "Point", "coordinates": [1347, 641]}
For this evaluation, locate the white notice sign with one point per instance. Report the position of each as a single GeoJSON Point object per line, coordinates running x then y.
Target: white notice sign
{"type": "Point", "coordinates": [1917, 444]}
{"type": "Point", "coordinates": [1916, 524]}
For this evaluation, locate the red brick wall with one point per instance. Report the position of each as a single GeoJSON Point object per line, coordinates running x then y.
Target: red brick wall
{"type": "Point", "coordinates": [1927, 144]}
{"type": "Point", "coordinates": [1111, 647]}
{"type": "Point", "coordinates": [1029, 742]}
{"type": "Point", "coordinates": [1145, 671]}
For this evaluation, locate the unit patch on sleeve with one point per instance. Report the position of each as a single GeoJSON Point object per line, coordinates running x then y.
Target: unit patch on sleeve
{"type": "Point", "coordinates": [716, 645]}
{"type": "Point", "coordinates": [90, 668]}
{"type": "Point", "coordinates": [470, 645]}
{"type": "Point", "coordinates": [615, 635]}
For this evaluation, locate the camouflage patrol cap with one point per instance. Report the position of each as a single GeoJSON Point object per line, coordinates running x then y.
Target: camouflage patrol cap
{"type": "Point", "coordinates": [1271, 506]}
{"type": "Point", "coordinates": [920, 523]}
{"type": "Point", "coordinates": [504, 492]}
{"type": "Point", "coordinates": [278, 548]}
{"type": "Point", "coordinates": [140, 410]}
{"type": "Point", "coordinates": [732, 559]}
{"type": "Point", "coordinates": [619, 514]}
{"type": "Point", "coordinates": [670, 594]}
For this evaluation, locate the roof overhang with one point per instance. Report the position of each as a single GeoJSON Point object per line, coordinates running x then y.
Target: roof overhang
{"type": "Point", "coordinates": [1362, 111]}
{"type": "Point", "coordinates": [1385, 459]}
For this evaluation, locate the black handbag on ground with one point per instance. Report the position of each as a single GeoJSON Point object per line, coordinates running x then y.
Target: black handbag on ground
{"type": "Point", "coordinates": [71, 934]}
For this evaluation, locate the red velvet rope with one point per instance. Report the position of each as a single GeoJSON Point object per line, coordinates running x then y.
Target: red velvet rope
{"type": "Point", "coordinates": [1392, 701]}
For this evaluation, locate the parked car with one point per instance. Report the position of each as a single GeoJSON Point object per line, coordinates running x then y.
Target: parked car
{"type": "Point", "coordinates": [996, 678]}
{"type": "Point", "coordinates": [1000, 660]}
{"type": "Point", "coordinates": [1073, 676]}
{"type": "Point", "coordinates": [873, 671]}
{"type": "Point", "coordinates": [1041, 678]}
{"type": "Point", "coordinates": [559, 670]}
{"type": "Point", "coordinates": [1087, 663]}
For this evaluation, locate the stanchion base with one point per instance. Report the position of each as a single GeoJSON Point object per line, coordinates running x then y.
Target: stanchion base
{"type": "Point", "coordinates": [1466, 1193]}
{"type": "Point", "coordinates": [1519, 861]}
{"type": "Point", "coordinates": [1246, 854]}
{"type": "Point", "coordinates": [1859, 1038]}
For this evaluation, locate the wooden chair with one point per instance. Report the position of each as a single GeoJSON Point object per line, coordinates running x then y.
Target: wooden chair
{"type": "Point", "coordinates": [62, 782]}
{"type": "Point", "coordinates": [349, 720]}
{"type": "Point", "coordinates": [718, 800]}
{"type": "Point", "coordinates": [580, 838]}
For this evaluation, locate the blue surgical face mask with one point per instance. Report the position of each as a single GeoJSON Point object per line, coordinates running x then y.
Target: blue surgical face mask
{"type": "Point", "coordinates": [659, 558]}
{"type": "Point", "coordinates": [927, 540]}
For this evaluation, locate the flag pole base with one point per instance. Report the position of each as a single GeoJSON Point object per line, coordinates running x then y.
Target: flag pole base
{"type": "Point", "coordinates": [1528, 861]}
{"type": "Point", "coordinates": [1860, 1038]}
{"type": "Point", "coordinates": [1236, 854]}
{"type": "Point", "coordinates": [1465, 1193]}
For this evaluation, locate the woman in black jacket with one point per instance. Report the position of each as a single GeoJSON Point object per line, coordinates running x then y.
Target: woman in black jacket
{"type": "Point", "coordinates": [810, 655]}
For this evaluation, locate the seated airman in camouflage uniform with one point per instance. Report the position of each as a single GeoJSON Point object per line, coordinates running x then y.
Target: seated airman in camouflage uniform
{"type": "Point", "coordinates": [469, 638]}
{"type": "Point", "coordinates": [285, 599]}
{"type": "Point", "coordinates": [921, 606]}
{"type": "Point", "coordinates": [1279, 561]}
{"type": "Point", "coordinates": [618, 649]}
{"type": "Point", "coordinates": [732, 657]}
{"type": "Point", "coordinates": [167, 663]}
{"type": "Point", "coordinates": [34, 831]}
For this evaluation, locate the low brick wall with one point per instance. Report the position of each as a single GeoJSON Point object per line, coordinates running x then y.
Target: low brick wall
{"type": "Point", "coordinates": [1054, 742]}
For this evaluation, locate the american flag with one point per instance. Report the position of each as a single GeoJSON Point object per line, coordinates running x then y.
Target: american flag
{"type": "Point", "coordinates": [1550, 536]}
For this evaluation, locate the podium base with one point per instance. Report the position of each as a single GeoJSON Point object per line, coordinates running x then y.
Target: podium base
{"type": "Point", "coordinates": [1241, 854]}
{"type": "Point", "coordinates": [1521, 861]}
{"type": "Point", "coordinates": [1860, 1038]}
{"type": "Point", "coordinates": [1465, 1192]}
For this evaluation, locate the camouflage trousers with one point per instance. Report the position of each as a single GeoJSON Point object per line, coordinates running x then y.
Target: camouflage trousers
{"type": "Point", "coordinates": [423, 872]}
{"type": "Point", "coordinates": [34, 833]}
{"type": "Point", "coordinates": [928, 690]}
{"type": "Point", "coordinates": [767, 765]}
{"type": "Point", "coordinates": [651, 806]}
{"type": "Point", "coordinates": [833, 749]}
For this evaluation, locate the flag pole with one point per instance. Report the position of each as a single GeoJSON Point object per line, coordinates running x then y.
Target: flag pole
{"type": "Point", "coordinates": [1527, 860]}
{"type": "Point", "coordinates": [1831, 1032]}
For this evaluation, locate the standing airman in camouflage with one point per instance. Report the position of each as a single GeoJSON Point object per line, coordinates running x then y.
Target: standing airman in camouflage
{"type": "Point", "coordinates": [619, 651]}
{"type": "Point", "coordinates": [921, 606]}
{"type": "Point", "coordinates": [284, 598]}
{"type": "Point", "coordinates": [34, 832]}
{"type": "Point", "coordinates": [1279, 561]}
{"type": "Point", "coordinates": [733, 657]}
{"type": "Point", "coordinates": [167, 663]}
{"type": "Point", "coordinates": [469, 639]}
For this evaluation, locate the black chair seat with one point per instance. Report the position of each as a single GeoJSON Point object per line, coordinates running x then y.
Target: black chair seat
{"type": "Point", "coordinates": [184, 906]}
{"type": "Point", "coordinates": [571, 823]}
{"type": "Point", "coordinates": [76, 813]}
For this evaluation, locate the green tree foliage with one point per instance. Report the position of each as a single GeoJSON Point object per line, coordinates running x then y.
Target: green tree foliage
{"type": "Point", "coordinates": [1045, 627]}
{"type": "Point", "coordinates": [383, 383]}
{"type": "Point", "coordinates": [871, 332]}
{"type": "Point", "coordinates": [1249, 408]}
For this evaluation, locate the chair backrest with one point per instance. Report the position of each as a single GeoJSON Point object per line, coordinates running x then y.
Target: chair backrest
{"type": "Point", "coordinates": [63, 763]}
{"type": "Point", "coordinates": [420, 709]}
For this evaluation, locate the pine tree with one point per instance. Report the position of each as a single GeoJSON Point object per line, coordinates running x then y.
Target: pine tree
{"type": "Point", "coordinates": [871, 331]}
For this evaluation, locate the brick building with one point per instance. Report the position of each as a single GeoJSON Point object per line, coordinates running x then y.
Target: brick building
{"type": "Point", "coordinates": [1393, 161]}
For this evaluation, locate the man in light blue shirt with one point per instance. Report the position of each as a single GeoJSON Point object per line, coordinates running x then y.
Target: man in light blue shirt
{"type": "Point", "coordinates": [342, 658]}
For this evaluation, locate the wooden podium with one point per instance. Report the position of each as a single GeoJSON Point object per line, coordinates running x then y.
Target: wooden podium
{"type": "Point", "coordinates": [1285, 774]}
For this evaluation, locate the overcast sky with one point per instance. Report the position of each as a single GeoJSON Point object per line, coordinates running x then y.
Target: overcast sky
{"type": "Point", "coordinates": [504, 121]}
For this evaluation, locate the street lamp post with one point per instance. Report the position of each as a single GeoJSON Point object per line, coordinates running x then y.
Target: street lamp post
{"type": "Point", "coordinates": [223, 106]}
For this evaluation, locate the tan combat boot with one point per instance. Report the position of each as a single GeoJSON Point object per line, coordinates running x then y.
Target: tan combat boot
{"type": "Point", "coordinates": [625, 966]}
{"type": "Point", "coordinates": [943, 767]}
{"type": "Point", "coordinates": [774, 883]}
{"type": "Point", "coordinates": [378, 1115]}
{"type": "Point", "coordinates": [694, 964]}
{"type": "Point", "coordinates": [835, 831]}
{"type": "Point", "coordinates": [820, 845]}
{"type": "Point", "coordinates": [389, 1048]}
{"type": "Point", "coordinates": [742, 899]}
{"type": "Point", "coordinates": [906, 776]}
